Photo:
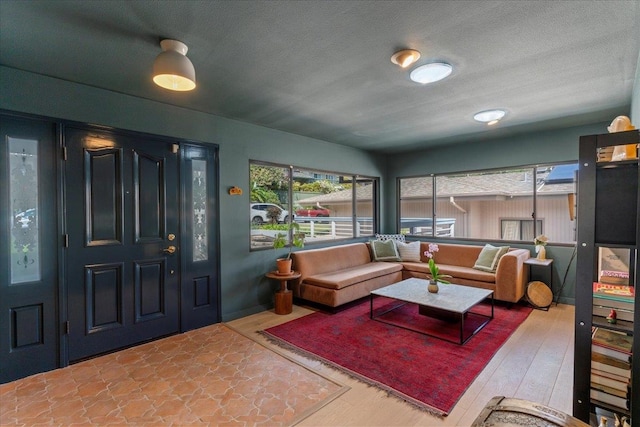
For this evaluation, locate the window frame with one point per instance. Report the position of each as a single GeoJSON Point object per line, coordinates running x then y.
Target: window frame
{"type": "Point", "coordinates": [317, 175]}
{"type": "Point", "coordinates": [538, 221]}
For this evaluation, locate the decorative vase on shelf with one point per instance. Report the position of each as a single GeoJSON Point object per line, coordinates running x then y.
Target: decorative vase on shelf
{"type": "Point", "coordinates": [433, 287]}
{"type": "Point", "coordinates": [541, 251]}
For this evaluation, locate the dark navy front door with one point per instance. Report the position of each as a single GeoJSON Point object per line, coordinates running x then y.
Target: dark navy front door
{"type": "Point", "coordinates": [122, 210]}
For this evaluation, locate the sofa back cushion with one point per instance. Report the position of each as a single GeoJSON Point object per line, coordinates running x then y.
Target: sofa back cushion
{"type": "Point", "coordinates": [452, 254]}
{"type": "Point", "coordinates": [316, 261]}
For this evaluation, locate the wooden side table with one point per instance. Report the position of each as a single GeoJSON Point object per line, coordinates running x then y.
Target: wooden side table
{"type": "Point", "coordinates": [283, 297]}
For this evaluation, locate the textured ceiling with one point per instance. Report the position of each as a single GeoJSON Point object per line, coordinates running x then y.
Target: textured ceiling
{"type": "Point", "coordinates": [322, 68]}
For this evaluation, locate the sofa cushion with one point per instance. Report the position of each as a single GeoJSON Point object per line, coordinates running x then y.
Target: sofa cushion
{"type": "Point", "coordinates": [349, 276]}
{"type": "Point", "coordinates": [456, 271]}
{"type": "Point", "coordinates": [452, 254]}
{"type": "Point", "coordinates": [409, 251]}
{"type": "Point", "coordinates": [384, 250]}
{"type": "Point", "coordinates": [489, 257]}
{"type": "Point", "coordinates": [396, 237]}
{"type": "Point", "coordinates": [310, 262]}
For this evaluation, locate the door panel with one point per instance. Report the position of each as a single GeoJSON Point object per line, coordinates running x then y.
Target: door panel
{"type": "Point", "coordinates": [122, 202]}
{"type": "Point", "coordinates": [103, 196]}
{"type": "Point", "coordinates": [149, 285]}
{"type": "Point", "coordinates": [28, 248]}
{"type": "Point", "coordinates": [200, 290]}
{"type": "Point", "coordinates": [149, 188]}
{"type": "Point", "coordinates": [104, 285]}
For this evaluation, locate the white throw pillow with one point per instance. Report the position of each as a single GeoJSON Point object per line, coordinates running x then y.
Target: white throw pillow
{"type": "Point", "coordinates": [409, 252]}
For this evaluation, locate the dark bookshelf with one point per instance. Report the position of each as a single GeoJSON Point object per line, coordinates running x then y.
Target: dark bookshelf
{"type": "Point", "coordinates": [607, 215]}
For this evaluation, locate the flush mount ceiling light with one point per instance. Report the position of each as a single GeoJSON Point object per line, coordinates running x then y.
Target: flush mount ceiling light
{"type": "Point", "coordinates": [172, 69]}
{"type": "Point", "coordinates": [490, 117]}
{"type": "Point", "coordinates": [405, 57]}
{"type": "Point", "coordinates": [430, 73]}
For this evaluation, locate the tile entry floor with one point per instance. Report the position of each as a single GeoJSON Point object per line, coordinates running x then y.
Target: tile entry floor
{"type": "Point", "coordinates": [210, 376]}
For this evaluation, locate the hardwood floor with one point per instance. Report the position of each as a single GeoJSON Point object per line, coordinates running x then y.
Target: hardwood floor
{"type": "Point", "coordinates": [536, 364]}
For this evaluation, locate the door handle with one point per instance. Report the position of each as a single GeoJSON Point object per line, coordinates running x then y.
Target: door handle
{"type": "Point", "coordinates": [170, 250]}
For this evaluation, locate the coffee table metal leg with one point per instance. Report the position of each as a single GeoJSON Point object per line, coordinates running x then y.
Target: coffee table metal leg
{"type": "Point", "coordinates": [371, 306]}
{"type": "Point", "coordinates": [492, 305]}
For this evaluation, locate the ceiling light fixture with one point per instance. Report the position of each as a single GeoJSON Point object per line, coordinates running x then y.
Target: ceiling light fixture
{"type": "Point", "coordinates": [405, 57]}
{"type": "Point", "coordinates": [490, 117]}
{"type": "Point", "coordinates": [431, 73]}
{"type": "Point", "coordinates": [172, 69]}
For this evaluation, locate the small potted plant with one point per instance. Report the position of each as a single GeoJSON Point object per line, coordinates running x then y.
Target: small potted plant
{"type": "Point", "coordinates": [434, 270]}
{"type": "Point", "coordinates": [280, 241]}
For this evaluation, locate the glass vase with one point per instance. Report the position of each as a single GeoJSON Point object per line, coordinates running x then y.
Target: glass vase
{"type": "Point", "coordinates": [432, 286]}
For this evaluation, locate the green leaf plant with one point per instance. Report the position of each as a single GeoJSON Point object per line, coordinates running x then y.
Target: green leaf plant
{"type": "Point", "coordinates": [280, 240]}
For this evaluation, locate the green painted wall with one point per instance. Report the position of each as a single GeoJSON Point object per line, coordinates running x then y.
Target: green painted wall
{"type": "Point", "coordinates": [244, 288]}
{"type": "Point", "coordinates": [635, 98]}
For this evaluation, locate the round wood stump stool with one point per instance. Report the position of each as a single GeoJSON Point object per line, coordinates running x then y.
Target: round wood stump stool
{"type": "Point", "coordinates": [539, 295]}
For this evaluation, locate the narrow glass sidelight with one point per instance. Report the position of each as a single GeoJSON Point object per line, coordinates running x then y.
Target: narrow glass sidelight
{"type": "Point", "coordinates": [199, 199]}
{"type": "Point", "coordinates": [23, 204]}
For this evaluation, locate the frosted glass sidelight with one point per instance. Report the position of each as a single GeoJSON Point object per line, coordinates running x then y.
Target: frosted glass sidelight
{"type": "Point", "coordinates": [199, 198]}
{"type": "Point", "coordinates": [23, 205]}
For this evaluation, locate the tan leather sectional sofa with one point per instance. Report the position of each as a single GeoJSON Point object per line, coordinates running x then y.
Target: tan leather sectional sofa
{"type": "Point", "coordinates": [339, 274]}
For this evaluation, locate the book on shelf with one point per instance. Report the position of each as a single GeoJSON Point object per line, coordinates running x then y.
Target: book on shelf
{"type": "Point", "coordinates": [614, 296]}
{"type": "Point", "coordinates": [609, 375]}
{"type": "Point", "coordinates": [614, 340]}
{"type": "Point", "coordinates": [613, 265]}
{"type": "Point", "coordinates": [613, 303]}
{"type": "Point", "coordinates": [609, 382]}
{"type": "Point", "coordinates": [610, 399]}
{"type": "Point", "coordinates": [610, 390]}
{"type": "Point", "coordinates": [604, 310]}
{"type": "Point", "coordinates": [609, 364]}
{"type": "Point", "coordinates": [626, 357]}
{"type": "Point", "coordinates": [623, 293]}
{"type": "Point", "coordinates": [612, 277]}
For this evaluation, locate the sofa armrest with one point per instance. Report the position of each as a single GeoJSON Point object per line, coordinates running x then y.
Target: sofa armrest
{"type": "Point", "coordinates": [511, 276]}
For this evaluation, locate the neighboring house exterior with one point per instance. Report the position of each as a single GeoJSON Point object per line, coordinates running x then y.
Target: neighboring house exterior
{"type": "Point", "coordinates": [497, 208]}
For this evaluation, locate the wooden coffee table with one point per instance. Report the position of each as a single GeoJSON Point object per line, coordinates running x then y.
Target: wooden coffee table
{"type": "Point", "coordinates": [452, 302]}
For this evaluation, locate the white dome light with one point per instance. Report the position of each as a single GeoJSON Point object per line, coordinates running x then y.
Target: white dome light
{"type": "Point", "coordinates": [430, 73]}
{"type": "Point", "coordinates": [490, 117]}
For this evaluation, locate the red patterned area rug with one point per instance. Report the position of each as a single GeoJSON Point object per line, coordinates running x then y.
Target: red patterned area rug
{"type": "Point", "coordinates": [430, 373]}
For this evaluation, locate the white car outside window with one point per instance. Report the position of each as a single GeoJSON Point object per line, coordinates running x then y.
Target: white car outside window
{"type": "Point", "coordinates": [259, 213]}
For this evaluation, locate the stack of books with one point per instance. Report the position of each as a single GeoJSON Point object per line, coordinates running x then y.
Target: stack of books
{"type": "Point", "coordinates": [611, 367]}
{"type": "Point", "coordinates": [608, 296]}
